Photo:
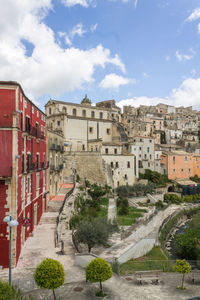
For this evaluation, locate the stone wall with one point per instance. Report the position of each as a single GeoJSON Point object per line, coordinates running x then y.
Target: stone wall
{"type": "Point", "coordinates": [87, 165]}
{"type": "Point", "coordinates": [137, 250]}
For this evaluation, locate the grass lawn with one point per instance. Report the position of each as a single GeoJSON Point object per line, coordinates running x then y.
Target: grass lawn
{"type": "Point", "coordinates": [103, 208]}
{"type": "Point", "coordinates": [128, 220]}
{"type": "Point", "coordinates": [154, 260]}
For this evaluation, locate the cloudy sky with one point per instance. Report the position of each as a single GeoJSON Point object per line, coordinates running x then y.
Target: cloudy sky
{"type": "Point", "coordinates": [133, 51]}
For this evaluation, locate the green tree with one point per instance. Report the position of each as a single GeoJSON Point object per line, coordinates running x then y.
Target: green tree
{"type": "Point", "coordinates": [8, 292]}
{"type": "Point", "coordinates": [183, 267]}
{"type": "Point", "coordinates": [98, 270]}
{"type": "Point", "coordinates": [94, 232]}
{"type": "Point", "coordinates": [186, 245]}
{"type": "Point", "coordinates": [50, 275]}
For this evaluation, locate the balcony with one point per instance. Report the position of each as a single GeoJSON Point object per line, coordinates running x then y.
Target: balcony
{"type": "Point", "coordinates": [52, 147]}
{"type": "Point", "coordinates": [60, 167]}
{"type": "Point", "coordinates": [52, 168]}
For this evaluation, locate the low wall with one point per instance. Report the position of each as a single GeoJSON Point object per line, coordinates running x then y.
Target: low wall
{"type": "Point", "coordinates": [137, 250]}
{"type": "Point", "coordinates": [82, 260]}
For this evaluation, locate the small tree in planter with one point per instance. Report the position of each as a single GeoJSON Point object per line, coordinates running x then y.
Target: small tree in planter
{"type": "Point", "coordinates": [98, 270]}
{"type": "Point", "coordinates": [49, 275]}
{"type": "Point", "coordinates": [183, 267]}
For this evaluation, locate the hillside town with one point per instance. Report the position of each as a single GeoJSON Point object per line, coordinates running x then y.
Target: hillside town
{"type": "Point", "coordinates": [54, 158]}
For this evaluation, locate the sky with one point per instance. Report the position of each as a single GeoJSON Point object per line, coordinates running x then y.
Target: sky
{"type": "Point", "coordinates": [134, 51]}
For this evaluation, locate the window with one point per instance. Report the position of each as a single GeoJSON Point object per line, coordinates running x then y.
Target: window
{"type": "Point", "coordinates": [106, 150]}
{"type": "Point", "coordinates": [23, 162]}
{"type": "Point", "coordinates": [74, 112]}
{"type": "Point", "coordinates": [22, 127]}
{"type": "Point", "coordinates": [145, 156]}
{"type": "Point", "coordinates": [150, 156]}
{"type": "Point", "coordinates": [174, 159]}
{"type": "Point", "coordinates": [28, 125]}
{"type": "Point", "coordinates": [58, 123]}
{"type": "Point", "coordinates": [84, 113]}
{"type": "Point", "coordinates": [149, 165]}
{"type": "Point", "coordinates": [174, 170]}
{"type": "Point", "coordinates": [83, 147]}
{"type": "Point", "coordinates": [128, 164]}
{"type": "Point", "coordinates": [37, 161]}
{"type": "Point", "coordinates": [147, 149]}
{"type": "Point", "coordinates": [29, 162]}
{"type": "Point", "coordinates": [125, 176]}
{"type": "Point", "coordinates": [186, 158]}
{"type": "Point", "coordinates": [182, 170]}
{"type": "Point", "coordinates": [189, 170]}
{"type": "Point", "coordinates": [37, 184]}
{"type": "Point", "coordinates": [111, 164]}
{"type": "Point", "coordinates": [64, 109]}
{"type": "Point", "coordinates": [141, 140]}
{"type": "Point", "coordinates": [140, 148]}
{"type": "Point", "coordinates": [101, 115]}
{"type": "Point", "coordinates": [115, 151]}
{"type": "Point", "coordinates": [116, 164]}
{"type": "Point", "coordinates": [91, 129]}
{"type": "Point", "coordinates": [38, 115]}
{"type": "Point", "coordinates": [92, 114]}
{"type": "Point", "coordinates": [33, 110]}
{"type": "Point", "coordinates": [108, 130]}
{"type": "Point", "coordinates": [150, 141]}
{"type": "Point", "coordinates": [49, 110]}
{"type": "Point", "coordinates": [196, 159]}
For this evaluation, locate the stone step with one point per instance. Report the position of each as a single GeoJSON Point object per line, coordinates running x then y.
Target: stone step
{"type": "Point", "coordinates": [48, 220]}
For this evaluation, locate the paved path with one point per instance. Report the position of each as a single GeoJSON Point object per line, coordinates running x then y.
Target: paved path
{"type": "Point", "coordinates": [122, 289]}
{"type": "Point", "coordinates": [112, 209]}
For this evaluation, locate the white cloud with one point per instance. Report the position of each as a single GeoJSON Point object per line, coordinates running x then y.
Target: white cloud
{"type": "Point", "coordinates": [70, 3]}
{"type": "Point", "coordinates": [183, 57]}
{"type": "Point", "coordinates": [49, 69]}
{"type": "Point", "coordinates": [187, 94]}
{"type": "Point", "coordinates": [193, 72]}
{"type": "Point", "coordinates": [198, 28]}
{"type": "Point", "coordinates": [194, 15]}
{"type": "Point", "coordinates": [135, 3]}
{"type": "Point", "coordinates": [93, 27]}
{"type": "Point", "coordinates": [145, 75]}
{"type": "Point", "coordinates": [76, 30]}
{"type": "Point", "coordinates": [114, 81]}
{"type": "Point", "coordinates": [167, 58]}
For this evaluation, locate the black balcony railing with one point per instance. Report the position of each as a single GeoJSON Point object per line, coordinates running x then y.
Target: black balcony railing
{"type": "Point", "coordinates": [60, 166]}
{"type": "Point", "coordinates": [52, 167]}
{"type": "Point", "coordinates": [34, 131]}
{"type": "Point", "coordinates": [52, 147]}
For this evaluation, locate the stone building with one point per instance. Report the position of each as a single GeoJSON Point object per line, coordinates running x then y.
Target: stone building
{"type": "Point", "coordinates": [90, 131]}
{"type": "Point", "coordinates": [55, 150]}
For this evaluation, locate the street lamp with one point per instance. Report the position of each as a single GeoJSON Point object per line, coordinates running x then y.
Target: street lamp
{"type": "Point", "coordinates": [12, 223]}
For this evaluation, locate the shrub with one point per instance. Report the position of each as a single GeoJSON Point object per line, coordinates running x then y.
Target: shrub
{"type": "Point", "coordinates": [98, 270]}
{"type": "Point", "coordinates": [186, 245]}
{"type": "Point", "coordinates": [172, 199]}
{"type": "Point", "coordinates": [183, 267]}
{"type": "Point", "coordinates": [50, 275]}
{"type": "Point", "coordinates": [159, 204]}
{"type": "Point", "coordinates": [8, 292]}
{"type": "Point", "coordinates": [136, 190]}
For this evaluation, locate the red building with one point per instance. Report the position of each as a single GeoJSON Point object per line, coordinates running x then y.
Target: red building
{"type": "Point", "coordinates": [23, 167]}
